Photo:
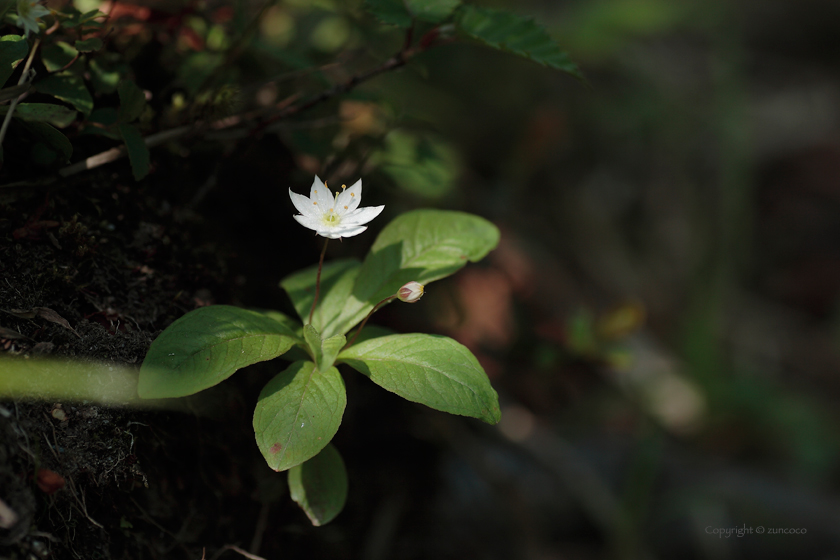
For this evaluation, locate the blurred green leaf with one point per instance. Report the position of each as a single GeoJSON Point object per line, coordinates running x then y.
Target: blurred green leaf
{"type": "Point", "coordinates": [432, 11]}
{"type": "Point", "coordinates": [50, 137]}
{"type": "Point", "coordinates": [132, 101]}
{"type": "Point", "coordinates": [101, 123]}
{"type": "Point", "coordinates": [68, 87]}
{"type": "Point", "coordinates": [89, 45]}
{"type": "Point", "coordinates": [138, 152]}
{"type": "Point", "coordinates": [13, 49]}
{"type": "Point", "coordinates": [421, 165]}
{"type": "Point", "coordinates": [56, 115]}
{"type": "Point", "coordinates": [56, 56]}
{"type": "Point", "coordinates": [515, 34]}
{"type": "Point", "coordinates": [319, 486]}
{"type": "Point", "coordinates": [106, 72]}
{"type": "Point", "coordinates": [393, 12]}
{"type": "Point", "coordinates": [402, 12]}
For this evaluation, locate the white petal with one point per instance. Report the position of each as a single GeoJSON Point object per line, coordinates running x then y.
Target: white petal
{"type": "Point", "coordinates": [304, 205]}
{"type": "Point", "coordinates": [349, 199]}
{"type": "Point", "coordinates": [362, 215]}
{"type": "Point", "coordinates": [317, 184]}
{"type": "Point", "coordinates": [350, 232]}
{"type": "Point", "coordinates": [324, 198]}
{"type": "Point", "coordinates": [311, 223]}
{"type": "Point", "coordinates": [330, 233]}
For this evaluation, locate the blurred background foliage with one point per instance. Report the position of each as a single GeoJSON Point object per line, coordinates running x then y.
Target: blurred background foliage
{"type": "Point", "coordinates": [661, 318]}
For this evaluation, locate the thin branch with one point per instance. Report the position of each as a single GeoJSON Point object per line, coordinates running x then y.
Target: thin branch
{"type": "Point", "coordinates": [24, 77]}
{"type": "Point", "coordinates": [398, 60]}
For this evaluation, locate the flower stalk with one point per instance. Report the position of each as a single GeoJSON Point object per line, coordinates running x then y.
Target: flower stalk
{"type": "Point", "coordinates": [318, 280]}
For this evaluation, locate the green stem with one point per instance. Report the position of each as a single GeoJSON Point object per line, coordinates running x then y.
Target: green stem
{"type": "Point", "coordinates": [318, 280]}
{"type": "Point", "coordinates": [372, 311]}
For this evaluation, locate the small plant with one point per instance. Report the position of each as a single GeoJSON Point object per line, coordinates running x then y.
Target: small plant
{"type": "Point", "coordinates": [300, 409]}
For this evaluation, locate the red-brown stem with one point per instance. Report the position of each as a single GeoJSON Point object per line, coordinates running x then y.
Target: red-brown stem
{"type": "Point", "coordinates": [318, 280]}
{"type": "Point", "coordinates": [372, 311]}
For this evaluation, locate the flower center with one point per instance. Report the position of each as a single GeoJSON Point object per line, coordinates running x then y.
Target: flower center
{"type": "Point", "coordinates": [331, 218]}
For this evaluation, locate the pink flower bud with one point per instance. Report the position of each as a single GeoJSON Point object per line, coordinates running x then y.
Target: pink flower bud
{"type": "Point", "coordinates": [411, 292]}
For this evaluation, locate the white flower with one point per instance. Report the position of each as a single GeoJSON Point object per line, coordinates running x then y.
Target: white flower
{"type": "Point", "coordinates": [411, 292]}
{"type": "Point", "coordinates": [334, 217]}
{"type": "Point", "coordinates": [28, 12]}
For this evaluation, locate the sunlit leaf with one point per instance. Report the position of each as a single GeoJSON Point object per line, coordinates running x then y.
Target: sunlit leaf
{"type": "Point", "coordinates": [298, 413]}
{"type": "Point", "coordinates": [206, 346]}
{"type": "Point", "coordinates": [428, 369]}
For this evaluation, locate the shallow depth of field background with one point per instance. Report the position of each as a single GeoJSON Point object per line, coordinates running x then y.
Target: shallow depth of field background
{"type": "Point", "coordinates": [661, 318]}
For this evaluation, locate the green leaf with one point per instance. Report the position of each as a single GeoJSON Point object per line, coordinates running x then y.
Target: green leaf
{"type": "Point", "coordinates": [515, 34]}
{"type": "Point", "coordinates": [68, 87]}
{"type": "Point", "coordinates": [428, 369]}
{"type": "Point", "coordinates": [324, 350]}
{"type": "Point", "coordinates": [105, 118]}
{"type": "Point", "coordinates": [13, 49]}
{"type": "Point", "coordinates": [206, 346]}
{"type": "Point", "coordinates": [132, 101]}
{"type": "Point", "coordinates": [56, 56]}
{"type": "Point", "coordinates": [393, 12]}
{"type": "Point", "coordinates": [402, 12]}
{"type": "Point", "coordinates": [422, 165]}
{"type": "Point", "coordinates": [57, 115]}
{"type": "Point", "coordinates": [89, 45]}
{"type": "Point", "coordinates": [138, 152]}
{"type": "Point", "coordinates": [422, 245]}
{"type": "Point", "coordinates": [50, 136]}
{"type": "Point", "coordinates": [106, 72]}
{"type": "Point", "coordinates": [298, 413]}
{"type": "Point", "coordinates": [319, 486]}
{"type": "Point", "coordinates": [432, 11]}
{"type": "Point", "coordinates": [337, 279]}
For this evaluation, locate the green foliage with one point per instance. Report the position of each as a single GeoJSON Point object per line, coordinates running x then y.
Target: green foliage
{"type": "Point", "coordinates": [56, 115]}
{"type": "Point", "coordinates": [424, 246]}
{"type": "Point", "coordinates": [515, 34]}
{"type": "Point", "coordinates": [298, 413]}
{"type": "Point", "coordinates": [402, 13]}
{"type": "Point", "coordinates": [51, 138]}
{"type": "Point", "coordinates": [89, 45]}
{"type": "Point", "coordinates": [300, 410]}
{"type": "Point", "coordinates": [432, 370]}
{"type": "Point", "coordinates": [13, 49]}
{"type": "Point", "coordinates": [421, 165]}
{"type": "Point", "coordinates": [206, 346]}
{"type": "Point", "coordinates": [319, 486]}
{"type": "Point", "coordinates": [68, 87]}
{"type": "Point", "coordinates": [138, 152]}
{"type": "Point", "coordinates": [132, 101]}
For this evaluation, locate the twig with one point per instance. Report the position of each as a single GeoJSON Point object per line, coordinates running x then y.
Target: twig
{"type": "Point", "coordinates": [398, 60]}
{"type": "Point", "coordinates": [236, 549]}
{"type": "Point", "coordinates": [23, 78]}
{"type": "Point", "coordinates": [82, 502]}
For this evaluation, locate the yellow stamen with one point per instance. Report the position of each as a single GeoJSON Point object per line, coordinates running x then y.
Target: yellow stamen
{"type": "Point", "coordinates": [343, 187]}
{"type": "Point", "coordinates": [345, 208]}
{"type": "Point", "coordinates": [352, 194]}
{"type": "Point", "coordinates": [315, 203]}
